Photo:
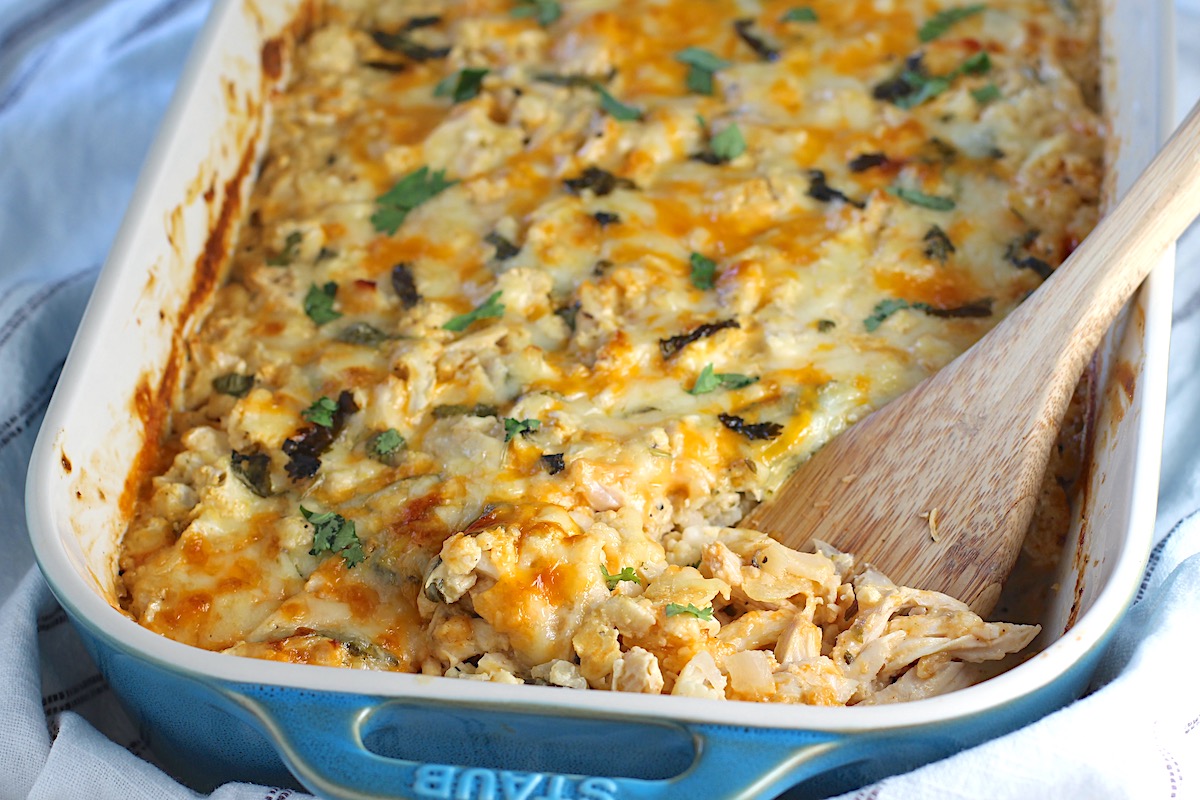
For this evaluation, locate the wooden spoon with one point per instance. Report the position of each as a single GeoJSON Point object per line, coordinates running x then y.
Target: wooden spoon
{"type": "Point", "coordinates": [970, 445]}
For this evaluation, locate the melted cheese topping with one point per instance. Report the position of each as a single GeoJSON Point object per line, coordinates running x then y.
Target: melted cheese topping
{"type": "Point", "coordinates": [673, 296]}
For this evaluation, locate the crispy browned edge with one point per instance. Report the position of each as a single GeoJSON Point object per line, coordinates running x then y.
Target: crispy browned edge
{"type": "Point", "coordinates": [153, 396]}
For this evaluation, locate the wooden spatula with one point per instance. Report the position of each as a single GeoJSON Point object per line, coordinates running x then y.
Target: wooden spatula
{"type": "Point", "coordinates": [970, 445]}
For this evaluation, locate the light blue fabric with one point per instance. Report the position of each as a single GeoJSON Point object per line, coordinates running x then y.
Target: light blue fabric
{"type": "Point", "coordinates": [83, 84]}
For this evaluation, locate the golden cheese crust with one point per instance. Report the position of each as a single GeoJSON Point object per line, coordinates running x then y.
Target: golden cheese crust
{"type": "Point", "coordinates": [535, 300]}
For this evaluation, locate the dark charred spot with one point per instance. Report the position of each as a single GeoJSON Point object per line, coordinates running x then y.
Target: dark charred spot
{"type": "Point", "coordinates": [600, 182]}
{"type": "Point", "coordinates": [304, 450]}
{"type": "Point", "coordinates": [404, 285]}
{"type": "Point", "coordinates": [671, 346]}
{"type": "Point", "coordinates": [819, 189]}
{"type": "Point", "coordinates": [753, 431]}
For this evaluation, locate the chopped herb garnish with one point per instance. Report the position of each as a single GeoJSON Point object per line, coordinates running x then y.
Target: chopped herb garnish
{"type": "Point", "coordinates": [599, 181]}
{"type": "Point", "coordinates": [979, 308]}
{"type": "Point", "coordinates": [326, 253]}
{"type": "Point", "coordinates": [704, 271]}
{"type": "Point", "coordinates": [888, 307]}
{"type": "Point", "coordinates": [318, 303]}
{"type": "Point", "coordinates": [606, 218]}
{"type": "Point", "coordinates": [385, 446]}
{"type": "Point", "coordinates": [233, 384]}
{"type": "Point", "coordinates": [409, 192]}
{"type": "Point", "coordinates": [799, 14]}
{"type": "Point", "coordinates": [456, 410]}
{"type": "Point", "coordinates": [522, 426]}
{"type": "Point", "coordinates": [404, 285]}
{"type": "Point", "coordinates": [867, 161]}
{"type": "Point", "coordinates": [675, 609]}
{"type": "Point", "coordinates": [671, 346]}
{"type": "Point", "coordinates": [914, 85]}
{"type": "Point", "coordinates": [1012, 254]}
{"type": "Point", "coordinates": [626, 574]}
{"type": "Point", "coordinates": [752, 431]}
{"type": "Point", "coordinates": [385, 66]}
{"type": "Point", "coordinates": [986, 94]}
{"type": "Point", "coordinates": [819, 189]}
{"type": "Point", "coordinates": [544, 11]}
{"type": "Point", "coordinates": [755, 43]}
{"type": "Point", "coordinates": [321, 412]}
{"type": "Point", "coordinates": [708, 381]}
{"type": "Point", "coordinates": [937, 244]}
{"type": "Point", "coordinates": [403, 44]}
{"type": "Point", "coordinates": [978, 64]}
{"type": "Point", "coordinates": [702, 65]}
{"type": "Point", "coordinates": [728, 144]}
{"type": "Point", "coordinates": [492, 307]}
{"type": "Point", "coordinates": [252, 470]}
{"type": "Point", "coordinates": [553, 462]}
{"type": "Point", "coordinates": [333, 533]}
{"type": "Point", "coordinates": [614, 107]}
{"type": "Point", "coordinates": [575, 81]}
{"type": "Point", "coordinates": [942, 21]}
{"type": "Point", "coordinates": [917, 198]}
{"type": "Point", "coordinates": [462, 85]}
{"type": "Point", "coordinates": [825, 325]}
{"type": "Point", "coordinates": [305, 447]}
{"type": "Point", "coordinates": [290, 246]}
{"type": "Point", "coordinates": [883, 310]}
{"type": "Point", "coordinates": [504, 248]}
{"type": "Point", "coordinates": [363, 333]}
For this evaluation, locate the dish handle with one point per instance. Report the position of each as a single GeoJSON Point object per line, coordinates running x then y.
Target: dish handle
{"type": "Point", "coordinates": [340, 747]}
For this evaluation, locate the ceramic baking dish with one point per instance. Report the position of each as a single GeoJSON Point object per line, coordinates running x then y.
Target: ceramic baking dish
{"type": "Point", "coordinates": [348, 734]}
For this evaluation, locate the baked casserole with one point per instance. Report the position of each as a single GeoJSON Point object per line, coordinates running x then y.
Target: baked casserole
{"type": "Point", "coordinates": [534, 300]}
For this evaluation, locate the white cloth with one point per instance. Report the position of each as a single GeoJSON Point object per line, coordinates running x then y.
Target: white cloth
{"type": "Point", "coordinates": [82, 86]}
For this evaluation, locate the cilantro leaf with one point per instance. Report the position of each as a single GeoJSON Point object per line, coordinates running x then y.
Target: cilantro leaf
{"type": "Point", "coordinates": [233, 384]}
{"type": "Point", "coordinates": [914, 86]}
{"type": "Point", "coordinates": [545, 11]}
{"type": "Point", "coordinates": [290, 246]}
{"type": "Point", "coordinates": [924, 88]}
{"type": "Point", "coordinates": [728, 144]}
{"type": "Point", "coordinates": [321, 412]}
{"type": "Point", "coordinates": [462, 85]}
{"type": "Point", "coordinates": [702, 65]}
{"type": "Point", "coordinates": [614, 107]}
{"type": "Point", "coordinates": [675, 609]}
{"type": "Point", "coordinates": [978, 64]}
{"type": "Point", "coordinates": [318, 303]}
{"type": "Point", "coordinates": [942, 21]}
{"type": "Point", "coordinates": [883, 310]}
{"type": "Point", "coordinates": [704, 271]}
{"type": "Point", "coordinates": [490, 308]}
{"type": "Point", "coordinates": [916, 198]}
{"type": "Point", "coordinates": [626, 574]}
{"type": "Point", "coordinates": [409, 192]}
{"type": "Point", "coordinates": [385, 446]}
{"type": "Point", "coordinates": [986, 94]}
{"type": "Point", "coordinates": [333, 533]}
{"type": "Point", "coordinates": [522, 426]}
{"type": "Point", "coordinates": [708, 381]}
{"type": "Point", "coordinates": [799, 14]}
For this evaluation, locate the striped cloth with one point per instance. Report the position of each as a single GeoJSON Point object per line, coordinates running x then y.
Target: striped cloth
{"type": "Point", "coordinates": [82, 86]}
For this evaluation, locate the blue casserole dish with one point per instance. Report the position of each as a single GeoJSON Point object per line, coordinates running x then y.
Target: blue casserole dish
{"type": "Point", "coordinates": [215, 718]}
